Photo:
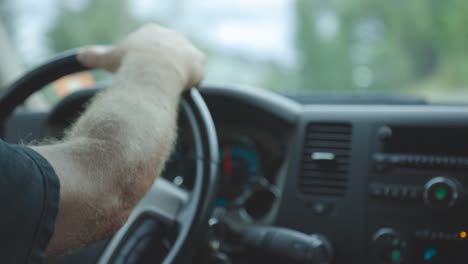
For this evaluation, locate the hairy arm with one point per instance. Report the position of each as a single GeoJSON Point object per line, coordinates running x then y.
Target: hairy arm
{"type": "Point", "coordinates": [113, 153]}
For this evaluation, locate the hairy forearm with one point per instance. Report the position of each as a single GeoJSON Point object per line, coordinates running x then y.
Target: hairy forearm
{"type": "Point", "coordinates": [135, 118]}
{"type": "Point", "coordinates": [112, 154]}
{"type": "Point", "coordinates": [128, 130]}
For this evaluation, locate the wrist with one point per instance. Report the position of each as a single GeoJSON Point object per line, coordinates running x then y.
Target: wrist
{"type": "Point", "coordinates": [158, 74]}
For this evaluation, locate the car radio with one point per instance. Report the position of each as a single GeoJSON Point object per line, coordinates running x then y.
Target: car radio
{"type": "Point", "coordinates": [418, 211]}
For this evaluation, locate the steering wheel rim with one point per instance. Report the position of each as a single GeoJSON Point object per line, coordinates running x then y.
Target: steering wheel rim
{"type": "Point", "coordinates": [189, 214]}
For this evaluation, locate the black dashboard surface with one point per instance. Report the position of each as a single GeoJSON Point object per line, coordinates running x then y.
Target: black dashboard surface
{"type": "Point", "coordinates": [330, 170]}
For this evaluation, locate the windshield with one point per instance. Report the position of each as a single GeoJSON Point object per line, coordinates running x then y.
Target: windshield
{"type": "Point", "coordinates": [417, 47]}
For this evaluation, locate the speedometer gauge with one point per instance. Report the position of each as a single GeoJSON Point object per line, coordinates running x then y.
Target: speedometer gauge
{"type": "Point", "coordinates": [240, 168]}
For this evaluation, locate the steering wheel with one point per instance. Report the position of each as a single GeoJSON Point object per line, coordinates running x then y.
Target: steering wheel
{"type": "Point", "coordinates": [167, 212]}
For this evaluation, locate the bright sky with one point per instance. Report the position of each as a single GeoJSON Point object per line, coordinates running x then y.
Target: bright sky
{"type": "Point", "coordinates": [32, 18]}
{"type": "Point", "coordinates": [258, 29]}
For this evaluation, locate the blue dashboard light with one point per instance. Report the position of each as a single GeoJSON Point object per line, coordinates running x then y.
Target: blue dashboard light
{"type": "Point", "coordinates": [221, 202]}
{"type": "Point", "coordinates": [429, 254]}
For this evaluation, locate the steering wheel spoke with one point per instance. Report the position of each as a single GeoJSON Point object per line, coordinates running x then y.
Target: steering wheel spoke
{"type": "Point", "coordinates": [165, 200]}
{"type": "Point", "coordinates": [156, 215]}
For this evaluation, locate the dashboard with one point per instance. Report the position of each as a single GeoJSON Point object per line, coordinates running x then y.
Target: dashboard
{"type": "Point", "coordinates": [250, 159]}
{"type": "Point", "coordinates": [381, 183]}
{"type": "Point", "coordinates": [391, 189]}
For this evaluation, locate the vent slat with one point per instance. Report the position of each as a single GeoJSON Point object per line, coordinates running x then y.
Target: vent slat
{"type": "Point", "coordinates": [329, 174]}
{"type": "Point", "coordinates": [327, 144]}
{"type": "Point", "coordinates": [339, 159]}
{"type": "Point", "coordinates": [323, 191]}
{"type": "Point", "coordinates": [341, 179]}
{"type": "Point", "coordinates": [338, 183]}
{"type": "Point", "coordinates": [343, 167]}
{"type": "Point", "coordinates": [316, 185]}
{"type": "Point", "coordinates": [327, 178]}
{"type": "Point", "coordinates": [330, 129]}
{"type": "Point", "coordinates": [336, 151]}
{"type": "Point", "coordinates": [337, 194]}
{"type": "Point", "coordinates": [325, 136]}
{"type": "Point", "coordinates": [326, 175]}
{"type": "Point", "coordinates": [324, 171]}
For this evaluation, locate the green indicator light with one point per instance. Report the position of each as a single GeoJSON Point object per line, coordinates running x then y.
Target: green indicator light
{"type": "Point", "coordinates": [396, 255]}
{"type": "Point", "coordinates": [395, 242]}
{"type": "Point", "coordinates": [440, 193]}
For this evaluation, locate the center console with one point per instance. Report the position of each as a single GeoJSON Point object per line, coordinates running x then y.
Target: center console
{"type": "Point", "coordinates": [386, 185]}
{"type": "Point", "coordinates": [418, 211]}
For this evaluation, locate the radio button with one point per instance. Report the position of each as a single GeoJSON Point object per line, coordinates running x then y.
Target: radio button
{"type": "Point", "coordinates": [384, 133]}
{"type": "Point", "coordinates": [460, 163]}
{"type": "Point", "coordinates": [395, 159]}
{"type": "Point", "coordinates": [395, 192]}
{"type": "Point", "coordinates": [431, 161]}
{"type": "Point", "coordinates": [414, 193]}
{"type": "Point", "coordinates": [386, 191]}
{"type": "Point", "coordinates": [376, 191]}
{"type": "Point", "coordinates": [453, 161]}
{"type": "Point", "coordinates": [404, 192]}
{"type": "Point", "coordinates": [417, 160]}
{"type": "Point", "coordinates": [404, 160]}
{"type": "Point", "coordinates": [448, 236]}
{"type": "Point", "coordinates": [425, 160]}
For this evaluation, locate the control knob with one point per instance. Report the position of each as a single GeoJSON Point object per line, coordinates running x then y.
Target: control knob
{"type": "Point", "coordinates": [442, 192]}
{"type": "Point", "coordinates": [389, 247]}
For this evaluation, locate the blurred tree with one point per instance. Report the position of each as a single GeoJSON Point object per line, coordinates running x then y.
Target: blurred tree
{"type": "Point", "coordinates": [450, 20]}
{"type": "Point", "coordinates": [6, 14]}
{"type": "Point", "coordinates": [10, 65]}
{"type": "Point", "coordinates": [323, 46]}
{"type": "Point", "coordinates": [98, 22]}
{"type": "Point", "coordinates": [382, 45]}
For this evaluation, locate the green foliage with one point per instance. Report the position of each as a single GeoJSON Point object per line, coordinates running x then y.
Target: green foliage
{"type": "Point", "coordinates": [377, 45]}
{"type": "Point", "coordinates": [324, 63]}
{"type": "Point", "coordinates": [403, 44]}
{"type": "Point", "coordinates": [100, 22]}
{"type": "Point", "coordinates": [6, 18]}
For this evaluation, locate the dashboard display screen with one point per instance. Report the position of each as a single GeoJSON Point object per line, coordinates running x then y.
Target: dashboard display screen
{"type": "Point", "coordinates": [427, 140]}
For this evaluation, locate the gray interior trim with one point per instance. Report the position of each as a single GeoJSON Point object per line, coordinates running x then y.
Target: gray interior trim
{"type": "Point", "coordinates": [280, 106]}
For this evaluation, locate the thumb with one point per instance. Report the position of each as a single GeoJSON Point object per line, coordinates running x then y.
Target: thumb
{"type": "Point", "coordinates": [100, 56]}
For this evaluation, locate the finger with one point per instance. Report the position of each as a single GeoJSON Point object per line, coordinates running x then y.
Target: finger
{"type": "Point", "coordinates": [198, 69]}
{"type": "Point", "coordinates": [103, 57]}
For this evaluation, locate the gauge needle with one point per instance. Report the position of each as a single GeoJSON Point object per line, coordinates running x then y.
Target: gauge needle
{"type": "Point", "coordinates": [227, 161]}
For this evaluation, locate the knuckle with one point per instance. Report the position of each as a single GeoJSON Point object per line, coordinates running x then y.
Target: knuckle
{"type": "Point", "coordinates": [198, 56]}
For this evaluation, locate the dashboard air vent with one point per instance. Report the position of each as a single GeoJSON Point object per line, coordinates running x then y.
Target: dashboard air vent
{"type": "Point", "coordinates": [325, 160]}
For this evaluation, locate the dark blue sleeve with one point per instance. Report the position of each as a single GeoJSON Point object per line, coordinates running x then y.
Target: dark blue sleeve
{"type": "Point", "coordinates": [29, 197]}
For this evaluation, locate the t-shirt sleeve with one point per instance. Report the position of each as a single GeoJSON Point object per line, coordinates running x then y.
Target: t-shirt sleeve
{"type": "Point", "coordinates": [29, 197]}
